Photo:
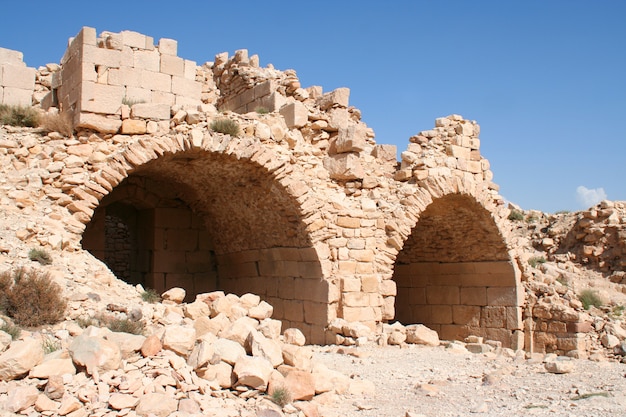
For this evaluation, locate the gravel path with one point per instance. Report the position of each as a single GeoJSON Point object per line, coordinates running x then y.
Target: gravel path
{"type": "Point", "coordinates": [427, 381]}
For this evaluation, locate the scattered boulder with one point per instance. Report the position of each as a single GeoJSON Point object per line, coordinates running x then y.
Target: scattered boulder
{"type": "Point", "coordinates": [20, 358]}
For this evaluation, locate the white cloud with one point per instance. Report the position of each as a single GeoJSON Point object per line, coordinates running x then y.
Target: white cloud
{"type": "Point", "coordinates": [589, 197]}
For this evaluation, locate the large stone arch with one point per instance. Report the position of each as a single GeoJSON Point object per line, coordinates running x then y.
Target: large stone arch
{"type": "Point", "coordinates": [214, 213]}
{"type": "Point", "coordinates": [454, 272]}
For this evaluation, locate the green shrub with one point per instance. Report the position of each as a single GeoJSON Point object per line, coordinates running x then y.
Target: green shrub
{"type": "Point", "coordinates": [562, 212]}
{"type": "Point", "coordinates": [261, 110]}
{"type": "Point", "coordinates": [226, 126]}
{"type": "Point", "coordinates": [85, 322]}
{"type": "Point", "coordinates": [590, 298]}
{"type": "Point", "coordinates": [532, 219]}
{"type": "Point", "coordinates": [617, 311]}
{"type": "Point", "coordinates": [11, 329]}
{"type": "Point", "coordinates": [40, 255]}
{"type": "Point", "coordinates": [516, 215]}
{"type": "Point", "coordinates": [31, 298]}
{"type": "Point", "coordinates": [124, 325]}
{"type": "Point", "coordinates": [150, 296]}
{"type": "Point", "coordinates": [50, 344]}
{"type": "Point", "coordinates": [18, 116]}
{"type": "Point", "coordinates": [536, 260]}
{"type": "Point", "coordinates": [280, 396]}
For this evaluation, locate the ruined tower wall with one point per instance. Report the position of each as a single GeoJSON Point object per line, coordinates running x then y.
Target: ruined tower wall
{"type": "Point", "coordinates": [17, 81]}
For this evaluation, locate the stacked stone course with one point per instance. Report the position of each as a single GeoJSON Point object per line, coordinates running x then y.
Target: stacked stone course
{"type": "Point", "coordinates": [17, 81]}
{"type": "Point", "coordinates": [102, 77]}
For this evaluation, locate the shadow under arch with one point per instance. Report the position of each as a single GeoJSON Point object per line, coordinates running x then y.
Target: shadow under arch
{"type": "Point", "coordinates": [205, 221]}
{"type": "Point", "coordinates": [454, 274]}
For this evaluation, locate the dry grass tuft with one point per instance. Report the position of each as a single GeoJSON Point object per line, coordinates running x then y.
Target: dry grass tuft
{"type": "Point", "coordinates": [31, 298]}
{"type": "Point", "coordinates": [60, 122]}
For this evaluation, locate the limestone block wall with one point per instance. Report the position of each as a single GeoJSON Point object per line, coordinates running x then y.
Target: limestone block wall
{"type": "Point", "coordinates": [460, 299]}
{"type": "Point", "coordinates": [100, 74]}
{"type": "Point", "coordinates": [17, 81]}
{"type": "Point", "coordinates": [288, 278]}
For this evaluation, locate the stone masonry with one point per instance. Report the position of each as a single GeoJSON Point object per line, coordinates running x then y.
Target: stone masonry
{"type": "Point", "coordinates": [303, 208]}
{"type": "Point", "coordinates": [17, 81]}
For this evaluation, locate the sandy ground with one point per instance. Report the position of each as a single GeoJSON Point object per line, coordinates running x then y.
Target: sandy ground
{"type": "Point", "coordinates": [435, 381]}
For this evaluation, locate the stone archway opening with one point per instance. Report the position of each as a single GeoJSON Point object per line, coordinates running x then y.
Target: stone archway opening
{"type": "Point", "coordinates": [207, 221]}
{"type": "Point", "coordinates": [454, 274]}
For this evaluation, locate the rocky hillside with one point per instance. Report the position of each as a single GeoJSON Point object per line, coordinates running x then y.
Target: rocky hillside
{"type": "Point", "coordinates": [574, 263]}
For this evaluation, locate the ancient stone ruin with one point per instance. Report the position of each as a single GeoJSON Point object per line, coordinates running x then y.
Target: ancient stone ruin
{"type": "Point", "coordinates": [303, 207]}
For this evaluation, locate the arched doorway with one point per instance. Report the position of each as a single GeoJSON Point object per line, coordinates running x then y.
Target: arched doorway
{"type": "Point", "coordinates": [454, 274]}
{"type": "Point", "coordinates": [208, 221]}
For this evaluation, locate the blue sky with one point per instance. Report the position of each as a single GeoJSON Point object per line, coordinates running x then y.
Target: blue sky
{"type": "Point", "coordinates": [546, 80]}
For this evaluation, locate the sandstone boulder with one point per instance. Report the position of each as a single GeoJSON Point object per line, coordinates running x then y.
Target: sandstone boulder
{"type": "Point", "coordinates": [20, 398]}
{"type": "Point", "coordinates": [253, 372]}
{"type": "Point", "coordinates": [20, 358]}
{"type": "Point", "coordinates": [95, 353]}
{"type": "Point", "coordinates": [421, 335]}
{"type": "Point", "coordinates": [156, 404]}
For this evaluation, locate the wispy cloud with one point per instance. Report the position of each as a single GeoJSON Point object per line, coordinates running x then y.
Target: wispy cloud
{"type": "Point", "coordinates": [589, 197]}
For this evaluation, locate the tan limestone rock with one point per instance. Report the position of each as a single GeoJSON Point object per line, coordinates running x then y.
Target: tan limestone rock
{"type": "Point", "coordinates": [43, 403]}
{"type": "Point", "coordinates": [151, 346]}
{"type": "Point", "coordinates": [297, 356]}
{"type": "Point", "coordinates": [301, 384]}
{"type": "Point", "coordinates": [95, 353]}
{"type": "Point", "coordinates": [53, 366]}
{"type": "Point", "coordinates": [421, 335]}
{"type": "Point", "coordinates": [119, 401]}
{"type": "Point", "coordinates": [157, 404]}
{"type": "Point", "coordinates": [253, 372]}
{"type": "Point", "coordinates": [260, 346]}
{"type": "Point", "coordinates": [55, 389]}
{"type": "Point", "coordinates": [294, 336]}
{"type": "Point", "coordinates": [175, 294]}
{"type": "Point", "coordinates": [228, 351]}
{"type": "Point", "coordinates": [20, 398]}
{"type": "Point", "coordinates": [179, 339]}
{"type": "Point", "coordinates": [133, 127]}
{"type": "Point", "coordinates": [20, 358]}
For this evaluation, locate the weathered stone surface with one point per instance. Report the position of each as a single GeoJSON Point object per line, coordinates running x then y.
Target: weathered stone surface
{"type": "Point", "coordinates": [344, 167]}
{"type": "Point", "coordinates": [20, 398]}
{"type": "Point", "coordinates": [297, 356]}
{"type": "Point", "coordinates": [253, 372]}
{"type": "Point", "coordinates": [151, 346]}
{"type": "Point", "coordinates": [176, 295]}
{"type": "Point", "coordinates": [53, 366]}
{"type": "Point", "coordinates": [55, 388]}
{"type": "Point", "coordinates": [95, 353]}
{"type": "Point", "coordinates": [560, 366]}
{"type": "Point", "coordinates": [260, 346]}
{"type": "Point", "coordinates": [128, 343]}
{"type": "Point", "coordinates": [119, 401]}
{"type": "Point", "coordinates": [294, 336]}
{"type": "Point", "coordinates": [20, 358]}
{"type": "Point", "coordinates": [301, 384]}
{"type": "Point", "coordinates": [160, 405]}
{"type": "Point", "coordinates": [422, 335]}
{"type": "Point", "coordinates": [179, 339]}
{"type": "Point", "coordinates": [228, 350]}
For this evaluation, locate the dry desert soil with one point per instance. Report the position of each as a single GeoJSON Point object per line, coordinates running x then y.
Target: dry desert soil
{"type": "Point", "coordinates": [442, 381]}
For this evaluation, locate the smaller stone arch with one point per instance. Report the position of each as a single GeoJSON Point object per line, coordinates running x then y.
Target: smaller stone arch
{"type": "Point", "coordinates": [454, 272]}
